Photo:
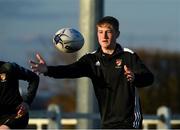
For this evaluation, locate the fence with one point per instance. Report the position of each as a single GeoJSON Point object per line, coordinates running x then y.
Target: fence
{"type": "Point", "coordinates": [54, 119]}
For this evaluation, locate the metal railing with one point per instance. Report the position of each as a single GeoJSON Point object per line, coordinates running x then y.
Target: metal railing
{"type": "Point", "coordinates": [54, 119]}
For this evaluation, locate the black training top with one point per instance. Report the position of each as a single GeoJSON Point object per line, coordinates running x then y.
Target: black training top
{"type": "Point", "coordinates": [10, 74]}
{"type": "Point", "coordinates": [118, 100]}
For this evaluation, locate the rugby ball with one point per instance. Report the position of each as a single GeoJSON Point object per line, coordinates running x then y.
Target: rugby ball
{"type": "Point", "coordinates": [68, 40]}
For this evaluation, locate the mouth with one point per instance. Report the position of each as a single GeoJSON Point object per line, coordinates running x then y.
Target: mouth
{"type": "Point", "coordinates": [104, 41]}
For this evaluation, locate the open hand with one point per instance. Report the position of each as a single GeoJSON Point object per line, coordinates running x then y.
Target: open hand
{"type": "Point", "coordinates": [129, 74]}
{"type": "Point", "coordinates": [39, 67]}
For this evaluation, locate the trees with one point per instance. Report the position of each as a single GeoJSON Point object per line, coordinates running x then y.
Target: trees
{"type": "Point", "coordinates": [166, 87]}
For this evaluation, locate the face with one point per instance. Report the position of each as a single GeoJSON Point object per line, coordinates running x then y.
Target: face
{"type": "Point", "coordinates": [107, 36]}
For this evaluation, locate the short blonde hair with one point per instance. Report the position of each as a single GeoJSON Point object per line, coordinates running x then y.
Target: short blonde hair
{"type": "Point", "coordinates": [108, 21]}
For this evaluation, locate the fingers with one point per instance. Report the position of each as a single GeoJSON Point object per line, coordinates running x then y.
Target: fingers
{"type": "Point", "coordinates": [129, 74]}
{"type": "Point", "coordinates": [32, 63]}
{"type": "Point", "coordinates": [126, 69]}
{"type": "Point", "coordinates": [22, 109]}
{"type": "Point", "coordinates": [38, 67]}
{"type": "Point", "coordinates": [40, 59]}
{"type": "Point", "coordinates": [20, 112]}
{"type": "Point", "coordinates": [34, 66]}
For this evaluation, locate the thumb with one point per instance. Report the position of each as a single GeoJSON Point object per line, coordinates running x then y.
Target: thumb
{"type": "Point", "coordinates": [126, 68]}
{"type": "Point", "coordinates": [40, 59]}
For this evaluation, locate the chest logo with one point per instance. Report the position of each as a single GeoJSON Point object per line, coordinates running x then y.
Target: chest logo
{"type": "Point", "coordinates": [118, 63]}
{"type": "Point", "coordinates": [97, 63]}
{"type": "Point", "coordinates": [3, 77]}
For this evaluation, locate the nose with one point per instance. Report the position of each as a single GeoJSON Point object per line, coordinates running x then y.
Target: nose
{"type": "Point", "coordinates": [105, 36]}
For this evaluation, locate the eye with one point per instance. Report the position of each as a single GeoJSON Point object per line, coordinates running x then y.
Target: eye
{"type": "Point", "coordinates": [109, 31]}
{"type": "Point", "coordinates": [100, 31]}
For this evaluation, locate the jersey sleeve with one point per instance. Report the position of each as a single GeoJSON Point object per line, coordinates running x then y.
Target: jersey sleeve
{"type": "Point", "coordinates": [143, 76]}
{"type": "Point", "coordinates": [22, 73]}
{"type": "Point", "coordinates": [80, 68]}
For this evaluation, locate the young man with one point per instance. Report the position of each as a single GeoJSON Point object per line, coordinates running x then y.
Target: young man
{"type": "Point", "coordinates": [115, 73]}
{"type": "Point", "coordinates": [13, 107]}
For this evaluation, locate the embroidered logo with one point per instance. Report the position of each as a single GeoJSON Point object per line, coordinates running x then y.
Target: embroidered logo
{"type": "Point", "coordinates": [97, 63]}
{"type": "Point", "coordinates": [118, 63]}
{"type": "Point", "coordinates": [3, 77]}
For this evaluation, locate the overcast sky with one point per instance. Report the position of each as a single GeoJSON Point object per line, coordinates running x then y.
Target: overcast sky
{"type": "Point", "coordinates": [27, 26]}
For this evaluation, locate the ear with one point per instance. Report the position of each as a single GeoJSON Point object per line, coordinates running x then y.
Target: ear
{"type": "Point", "coordinates": [118, 34]}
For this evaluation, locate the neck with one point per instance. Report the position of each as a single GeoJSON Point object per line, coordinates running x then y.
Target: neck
{"type": "Point", "coordinates": [109, 50]}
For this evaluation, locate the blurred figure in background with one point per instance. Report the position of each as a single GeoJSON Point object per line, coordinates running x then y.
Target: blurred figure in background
{"type": "Point", "coordinates": [13, 107]}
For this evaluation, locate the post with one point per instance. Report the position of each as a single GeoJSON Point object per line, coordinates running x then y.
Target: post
{"type": "Point", "coordinates": [90, 12]}
{"type": "Point", "coordinates": [164, 114]}
{"type": "Point", "coordinates": [55, 117]}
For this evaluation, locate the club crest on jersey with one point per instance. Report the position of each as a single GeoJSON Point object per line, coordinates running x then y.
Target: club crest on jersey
{"type": "Point", "coordinates": [3, 77]}
{"type": "Point", "coordinates": [118, 63]}
{"type": "Point", "coordinates": [97, 63]}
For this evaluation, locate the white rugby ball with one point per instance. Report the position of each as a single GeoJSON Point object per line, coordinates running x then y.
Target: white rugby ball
{"type": "Point", "coordinates": [68, 40]}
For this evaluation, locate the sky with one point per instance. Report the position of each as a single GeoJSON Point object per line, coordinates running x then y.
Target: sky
{"type": "Point", "coordinates": [27, 26]}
